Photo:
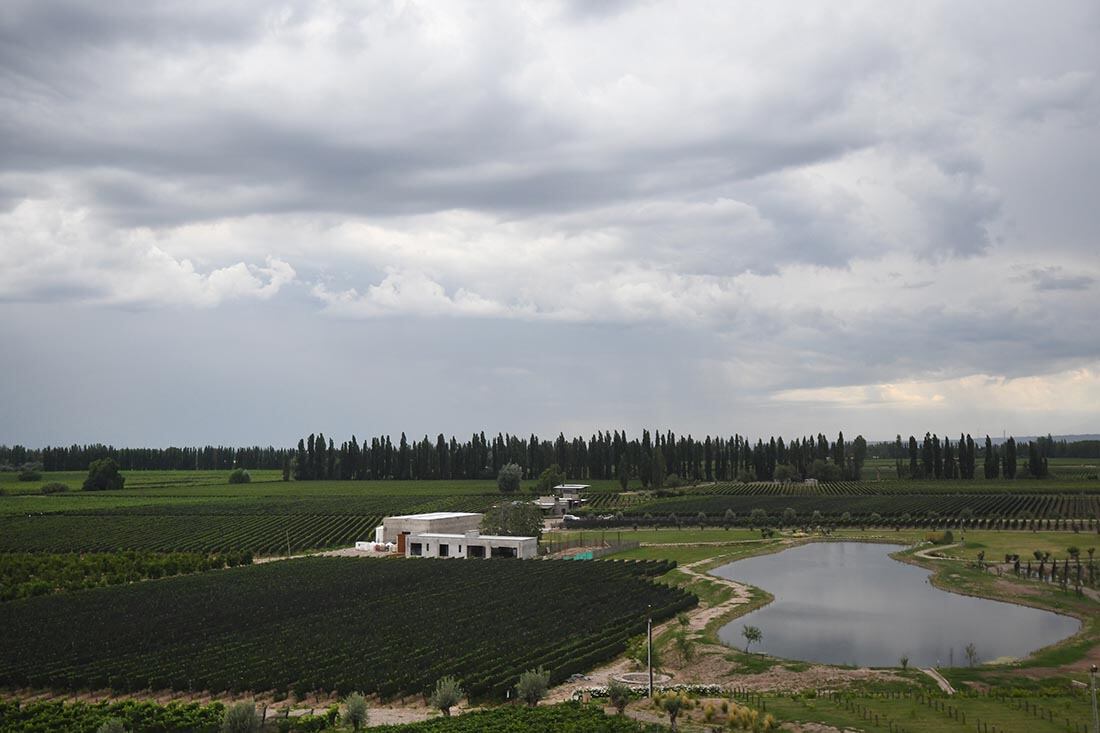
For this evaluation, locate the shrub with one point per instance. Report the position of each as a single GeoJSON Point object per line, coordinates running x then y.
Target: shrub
{"type": "Point", "coordinates": [532, 685]}
{"type": "Point", "coordinates": [103, 475]}
{"type": "Point", "coordinates": [619, 694]}
{"type": "Point", "coordinates": [509, 477]}
{"type": "Point", "coordinates": [446, 694]}
{"type": "Point", "coordinates": [241, 717]}
{"type": "Point", "coordinates": [355, 710]}
{"type": "Point", "coordinates": [30, 472]}
{"type": "Point", "coordinates": [54, 488]}
{"type": "Point", "coordinates": [240, 476]}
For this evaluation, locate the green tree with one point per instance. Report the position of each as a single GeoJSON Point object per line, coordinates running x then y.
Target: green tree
{"type": "Point", "coordinates": [239, 476]}
{"type": "Point", "coordinates": [685, 646]}
{"type": "Point", "coordinates": [355, 710]}
{"type": "Point", "coordinates": [103, 475]}
{"type": "Point", "coordinates": [111, 725]}
{"type": "Point", "coordinates": [971, 654]}
{"type": "Point", "coordinates": [447, 693]}
{"type": "Point", "coordinates": [508, 478]}
{"type": "Point", "coordinates": [785, 472]}
{"type": "Point", "coordinates": [859, 455]}
{"type": "Point", "coordinates": [991, 464]}
{"type": "Point", "coordinates": [752, 634]}
{"type": "Point", "coordinates": [789, 517]}
{"type": "Point", "coordinates": [619, 693]}
{"type": "Point", "coordinates": [532, 686]}
{"type": "Point", "coordinates": [550, 478]}
{"type": "Point", "coordinates": [638, 651]}
{"type": "Point", "coordinates": [622, 472]}
{"type": "Point", "coordinates": [241, 717]}
{"type": "Point", "coordinates": [513, 518]}
{"type": "Point", "coordinates": [673, 703]}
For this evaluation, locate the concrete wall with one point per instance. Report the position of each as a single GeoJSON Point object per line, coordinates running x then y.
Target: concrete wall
{"type": "Point", "coordinates": [460, 547]}
{"type": "Point", "coordinates": [393, 526]}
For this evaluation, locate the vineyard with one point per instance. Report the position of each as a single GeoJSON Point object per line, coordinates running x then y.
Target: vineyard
{"type": "Point", "coordinates": [564, 718]}
{"type": "Point", "coordinates": [25, 575]}
{"type": "Point", "coordinates": [1044, 506]}
{"type": "Point", "coordinates": [387, 627]}
{"type": "Point", "coordinates": [261, 526]}
{"type": "Point", "coordinates": [49, 717]}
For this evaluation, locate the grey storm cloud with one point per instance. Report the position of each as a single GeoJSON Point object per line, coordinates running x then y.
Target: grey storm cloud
{"type": "Point", "coordinates": [761, 200]}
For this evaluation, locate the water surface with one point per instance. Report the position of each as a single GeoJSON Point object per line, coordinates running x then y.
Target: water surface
{"type": "Point", "coordinates": [850, 603]}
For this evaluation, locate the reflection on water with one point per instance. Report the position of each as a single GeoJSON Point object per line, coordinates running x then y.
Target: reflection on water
{"type": "Point", "coordinates": [850, 603]}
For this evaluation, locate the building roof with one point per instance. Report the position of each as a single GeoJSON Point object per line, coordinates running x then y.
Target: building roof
{"type": "Point", "coordinates": [578, 487]}
{"type": "Point", "coordinates": [436, 515]}
{"type": "Point", "coordinates": [448, 536]}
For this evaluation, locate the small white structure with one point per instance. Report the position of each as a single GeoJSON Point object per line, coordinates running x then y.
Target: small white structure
{"type": "Point", "coordinates": [470, 544]}
{"type": "Point", "coordinates": [565, 498]}
{"type": "Point", "coordinates": [446, 534]}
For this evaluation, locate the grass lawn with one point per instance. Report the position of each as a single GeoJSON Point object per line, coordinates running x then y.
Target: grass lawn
{"type": "Point", "coordinates": [686, 535]}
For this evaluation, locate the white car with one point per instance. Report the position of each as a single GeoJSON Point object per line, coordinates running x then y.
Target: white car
{"type": "Point", "coordinates": [571, 517]}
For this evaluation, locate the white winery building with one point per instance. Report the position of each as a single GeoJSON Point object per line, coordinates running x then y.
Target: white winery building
{"type": "Point", "coordinates": [448, 534]}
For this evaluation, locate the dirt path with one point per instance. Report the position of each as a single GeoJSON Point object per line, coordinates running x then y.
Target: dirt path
{"type": "Point", "coordinates": [923, 554]}
{"type": "Point", "coordinates": [939, 678]}
{"type": "Point", "coordinates": [704, 614]}
{"type": "Point", "coordinates": [698, 618]}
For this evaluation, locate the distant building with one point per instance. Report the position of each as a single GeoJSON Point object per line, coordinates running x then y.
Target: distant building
{"type": "Point", "coordinates": [570, 490]}
{"type": "Point", "coordinates": [448, 534]}
{"type": "Point", "coordinates": [566, 497]}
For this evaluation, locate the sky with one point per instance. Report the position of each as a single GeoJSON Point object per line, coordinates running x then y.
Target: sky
{"type": "Point", "coordinates": [240, 223]}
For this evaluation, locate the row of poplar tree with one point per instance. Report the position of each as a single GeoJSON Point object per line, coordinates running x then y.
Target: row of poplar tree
{"type": "Point", "coordinates": [934, 458]}
{"type": "Point", "coordinates": [651, 458]}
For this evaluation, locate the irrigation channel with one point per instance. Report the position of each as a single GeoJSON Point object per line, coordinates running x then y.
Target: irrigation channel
{"type": "Point", "coordinates": [850, 603]}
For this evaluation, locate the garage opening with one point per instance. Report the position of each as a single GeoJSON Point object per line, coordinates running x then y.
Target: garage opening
{"type": "Point", "coordinates": [444, 550]}
{"type": "Point", "coordinates": [504, 552]}
{"type": "Point", "coordinates": [477, 551]}
{"type": "Point", "coordinates": [416, 549]}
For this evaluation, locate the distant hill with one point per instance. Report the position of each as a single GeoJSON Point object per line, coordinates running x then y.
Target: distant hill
{"type": "Point", "coordinates": [1067, 438]}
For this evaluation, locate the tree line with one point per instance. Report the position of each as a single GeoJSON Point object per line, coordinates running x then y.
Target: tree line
{"type": "Point", "coordinates": [652, 458]}
{"type": "Point", "coordinates": [936, 458]}
{"type": "Point", "coordinates": [205, 458]}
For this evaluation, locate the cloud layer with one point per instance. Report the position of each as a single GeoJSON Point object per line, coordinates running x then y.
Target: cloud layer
{"type": "Point", "coordinates": [814, 202]}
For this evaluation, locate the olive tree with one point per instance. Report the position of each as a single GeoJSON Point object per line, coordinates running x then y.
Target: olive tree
{"type": "Point", "coordinates": [355, 710]}
{"type": "Point", "coordinates": [619, 694]}
{"type": "Point", "coordinates": [508, 478]}
{"type": "Point", "coordinates": [672, 703]}
{"type": "Point", "coordinates": [752, 635]}
{"type": "Point", "coordinates": [446, 694]}
{"type": "Point", "coordinates": [532, 686]}
{"type": "Point", "coordinates": [241, 717]}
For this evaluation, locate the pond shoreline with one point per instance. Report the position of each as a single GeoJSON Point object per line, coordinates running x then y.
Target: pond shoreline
{"type": "Point", "coordinates": [938, 577]}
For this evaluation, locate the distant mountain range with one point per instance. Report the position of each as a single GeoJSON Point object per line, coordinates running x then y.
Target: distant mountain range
{"type": "Point", "coordinates": [998, 440]}
{"type": "Point", "coordinates": [1067, 438]}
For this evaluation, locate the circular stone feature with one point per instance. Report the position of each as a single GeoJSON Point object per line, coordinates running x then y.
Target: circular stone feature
{"type": "Point", "coordinates": [642, 678]}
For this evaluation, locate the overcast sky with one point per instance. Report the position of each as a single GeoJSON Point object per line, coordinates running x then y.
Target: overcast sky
{"type": "Point", "coordinates": [241, 222]}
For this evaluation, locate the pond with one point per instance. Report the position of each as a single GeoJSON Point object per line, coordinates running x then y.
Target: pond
{"type": "Point", "coordinates": [851, 603]}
